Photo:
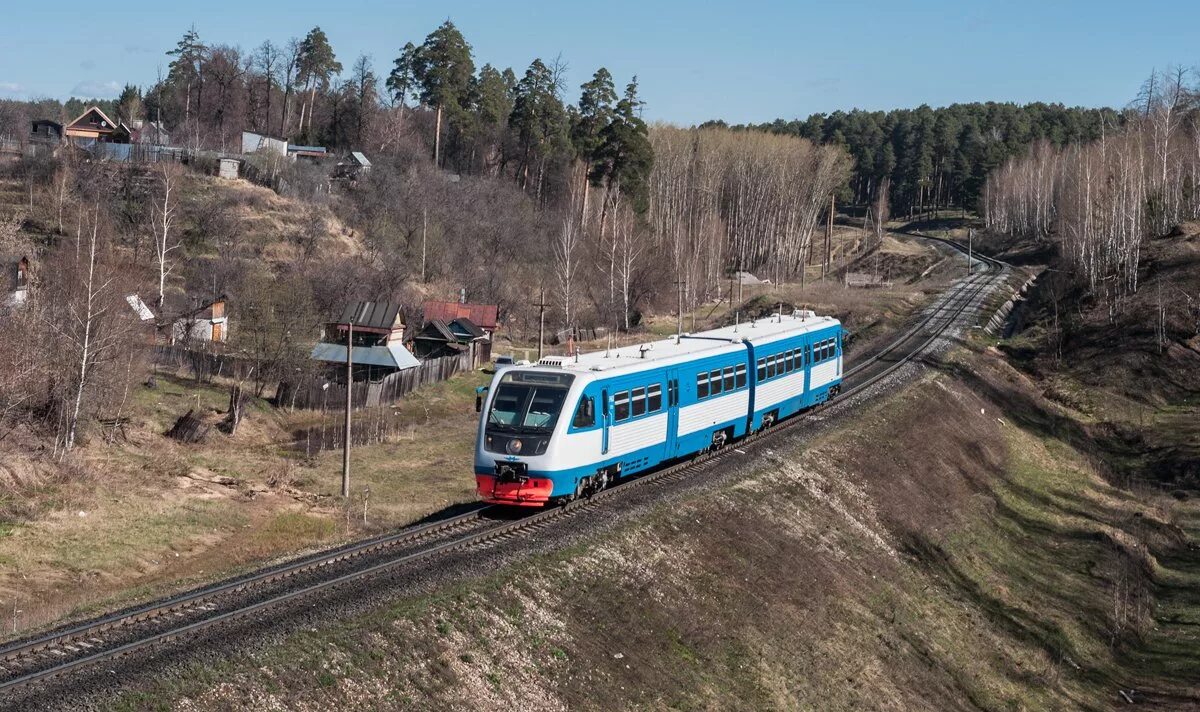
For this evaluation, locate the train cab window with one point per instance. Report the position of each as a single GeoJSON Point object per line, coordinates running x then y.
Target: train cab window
{"type": "Point", "coordinates": [621, 406]}
{"type": "Point", "coordinates": [638, 399]}
{"type": "Point", "coordinates": [729, 378]}
{"type": "Point", "coordinates": [654, 398]}
{"type": "Point", "coordinates": [762, 369]}
{"type": "Point", "coordinates": [714, 382]}
{"type": "Point", "coordinates": [702, 385]}
{"type": "Point", "coordinates": [585, 414]}
{"type": "Point", "coordinates": [740, 375]}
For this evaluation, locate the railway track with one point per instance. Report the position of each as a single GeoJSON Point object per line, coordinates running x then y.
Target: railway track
{"type": "Point", "coordinates": [73, 648]}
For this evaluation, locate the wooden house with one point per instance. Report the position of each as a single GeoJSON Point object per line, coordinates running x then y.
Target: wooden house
{"type": "Point", "coordinates": [438, 339]}
{"type": "Point", "coordinates": [94, 125]}
{"type": "Point", "coordinates": [378, 348]}
{"type": "Point", "coordinates": [480, 317]}
{"type": "Point", "coordinates": [203, 322]}
{"type": "Point", "coordinates": [149, 132]}
{"type": "Point", "coordinates": [46, 131]}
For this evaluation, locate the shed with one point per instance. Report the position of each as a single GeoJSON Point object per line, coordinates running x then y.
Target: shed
{"type": "Point", "coordinates": [258, 143]}
{"type": "Point", "coordinates": [378, 340]}
{"type": "Point", "coordinates": [228, 168]}
{"type": "Point", "coordinates": [46, 130]}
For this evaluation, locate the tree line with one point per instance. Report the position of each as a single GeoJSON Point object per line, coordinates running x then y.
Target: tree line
{"type": "Point", "coordinates": [938, 158]}
{"type": "Point", "coordinates": [1098, 202]}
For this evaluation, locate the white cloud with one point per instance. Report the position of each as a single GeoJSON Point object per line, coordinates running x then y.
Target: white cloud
{"type": "Point", "coordinates": [11, 88]}
{"type": "Point", "coordinates": [92, 89]}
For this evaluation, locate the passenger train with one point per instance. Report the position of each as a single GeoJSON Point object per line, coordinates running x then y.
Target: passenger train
{"type": "Point", "coordinates": [568, 426]}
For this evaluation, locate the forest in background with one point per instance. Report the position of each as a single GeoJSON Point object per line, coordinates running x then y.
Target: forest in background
{"type": "Point", "coordinates": [936, 158]}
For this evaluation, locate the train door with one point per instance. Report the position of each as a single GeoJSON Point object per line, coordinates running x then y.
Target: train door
{"type": "Point", "coordinates": [605, 419]}
{"type": "Point", "coordinates": [672, 446]}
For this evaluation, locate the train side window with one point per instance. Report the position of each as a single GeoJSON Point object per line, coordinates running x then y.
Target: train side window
{"type": "Point", "coordinates": [638, 400]}
{"type": "Point", "coordinates": [621, 406]}
{"type": "Point", "coordinates": [789, 361]}
{"type": "Point", "coordinates": [702, 385]}
{"type": "Point", "coordinates": [740, 375]}
{"type": "Point", "coordinates": [654, 398]}
{"type": "Point", "coordinates": [762, 369]}
{"type": "Point", "coordinates": [771, 366]}
{"type": "Point", "coordinates": [714, 382]}
{"type": "Point", "coordinates": [729, 378]}
{"type": "Point", "coordinates": [585, 414]}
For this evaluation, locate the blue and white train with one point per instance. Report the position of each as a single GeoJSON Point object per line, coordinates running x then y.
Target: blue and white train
{"type": "Point", "coordinates": [570, 425]}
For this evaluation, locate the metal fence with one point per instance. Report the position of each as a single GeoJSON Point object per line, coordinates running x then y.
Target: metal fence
{"type": "Point", "coordinates": [321, 392]}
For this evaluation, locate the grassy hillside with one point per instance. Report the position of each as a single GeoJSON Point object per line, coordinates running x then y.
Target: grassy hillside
{"type": "Point", "coordinates": [945, 549]}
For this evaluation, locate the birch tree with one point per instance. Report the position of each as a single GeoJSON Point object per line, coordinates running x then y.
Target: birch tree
{"type": "Point", "coordinates": [166, 240]}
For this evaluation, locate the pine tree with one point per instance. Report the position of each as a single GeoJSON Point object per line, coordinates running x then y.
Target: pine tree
{"type": "Point", "coordinates": [625, 156]}
{"type": "Point", "coordinates": [317, 66]}
{"type": "Point", "coordinates": [444, 69]}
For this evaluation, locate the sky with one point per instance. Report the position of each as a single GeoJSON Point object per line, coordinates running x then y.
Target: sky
{"type": "Point", "coordinates": [748, 61]}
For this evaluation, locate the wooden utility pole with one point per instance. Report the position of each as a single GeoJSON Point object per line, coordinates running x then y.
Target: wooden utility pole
{"type": "Point", "coordinates": [424, 232]}
{"type": "Point", "coordinates": [680, 283]}
{"type": "Point", "coordinates": [970, 250]}
{"type": "Point", "coordinates": [349, 405]}
{"type": "Point", "coordinates": [828, 263]}
{"type": "Point", "coordinates": [541, 305]}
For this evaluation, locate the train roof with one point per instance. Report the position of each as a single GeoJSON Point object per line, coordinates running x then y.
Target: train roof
{"type": "Point", "coordinates": [677, 350]}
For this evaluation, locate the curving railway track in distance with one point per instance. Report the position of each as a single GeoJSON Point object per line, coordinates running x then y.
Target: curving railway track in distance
{"type": "Point", "coordinates": [28, 664]}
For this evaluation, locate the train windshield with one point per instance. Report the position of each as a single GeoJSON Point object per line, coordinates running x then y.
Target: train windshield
{"type": "Point", "coordinates": [528, 401]}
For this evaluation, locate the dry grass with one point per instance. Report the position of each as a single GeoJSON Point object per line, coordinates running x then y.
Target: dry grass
{"type": "Point", "coordinates": [961, 561]}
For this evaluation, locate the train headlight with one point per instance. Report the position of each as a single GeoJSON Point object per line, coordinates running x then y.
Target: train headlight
{"type": "Point", "coordinates": [513, 447]}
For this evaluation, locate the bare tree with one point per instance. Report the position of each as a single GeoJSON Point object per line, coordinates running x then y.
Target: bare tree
{"type": "Point", "coordinates": [566, 263]}
{"type": "Point", "coordinates": [163, 211]}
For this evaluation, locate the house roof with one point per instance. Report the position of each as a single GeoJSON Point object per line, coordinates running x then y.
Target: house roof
{"type": "Point", "coordinates": [183, 305]}
{"type": "Point", "coordinates": [109, 123]}
{"type": "Point", "coordinates": [305, 149]}
{"type": "Point", "coordinates": [436, 330]}
{"type": "Point", "coordinates": [372, 315]}
{"type": "Point", "coordinates": [464, 327]}
{"type": "Point", "coordinates": [139, 307]}
{"type": "Point", "coordinates": [360, 159]}
{"type": "Point", "coordinates": [390, 356]}
{"type": "Point", "coordinates": [482, 315]}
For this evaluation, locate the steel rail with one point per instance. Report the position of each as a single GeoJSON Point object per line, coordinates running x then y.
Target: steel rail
{"type": "Point", "coordinates": [949, 307]}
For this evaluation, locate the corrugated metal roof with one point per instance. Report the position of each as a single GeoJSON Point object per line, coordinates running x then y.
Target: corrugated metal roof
{"type": "Point", "coordinates": [482, 315]}
{"type": "Point", "coordinates": [390, 356]}
{"type": "Point", "coordinates": [440, 327]}
{"type": "Point", "coordinates": [463, 326]}
{"type": "Point", "coordinates": [374, 315]}
{"type": "Point", "coordinates": [306, 149]}
{"type": "Point", "coordinates": [362, 160]}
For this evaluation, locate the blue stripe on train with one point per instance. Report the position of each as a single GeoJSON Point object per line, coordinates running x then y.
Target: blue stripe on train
{"type": "Point", "coordinates": [655, 455]}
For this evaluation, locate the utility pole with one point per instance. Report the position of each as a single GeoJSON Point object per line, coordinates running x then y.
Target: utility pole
{"type": "Point", "coordinates": [828, 263]}
{"type": "Point", "coordinates": [541, 305]}
{"type": "Point", "coordinates": [970, 250]}
{"type": "Point", "coordinates": [349, 405]}
{"type": "Point", "coordinates": [679, 283]}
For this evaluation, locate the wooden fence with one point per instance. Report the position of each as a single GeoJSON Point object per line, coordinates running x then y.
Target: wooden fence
{"type": "Point", "coordinates": [321, 393]}
{"type": "Point", "coordinates": [203, 365]}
